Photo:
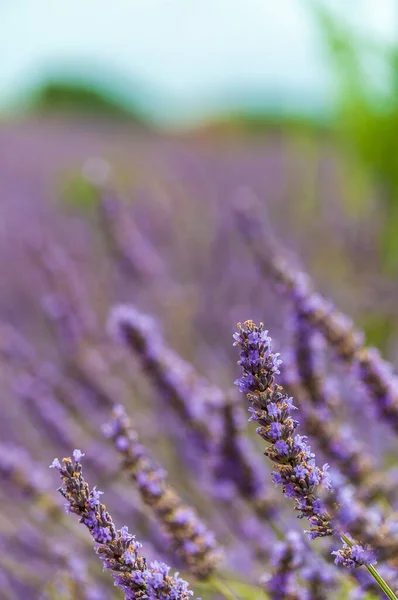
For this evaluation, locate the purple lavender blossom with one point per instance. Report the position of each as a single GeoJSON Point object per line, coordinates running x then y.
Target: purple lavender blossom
{"type": "Point", "coordinates": [117, 548]}
{"type": "Point", "coordinates": [296, 470]}
{"type": "Point", "coordinates": [354, 555]}
{"type": "Point", "coordinates": [338, 443]}
{"type": "Point", "coordinates": [338, 329]}
{"type": "Point", "coordinates": [365, 522]}
{"type": "Point", "coordinates": [190, 538]}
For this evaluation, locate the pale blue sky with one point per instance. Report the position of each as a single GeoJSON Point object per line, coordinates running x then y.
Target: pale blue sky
{"type": "Point", "coordinates": [189, 52]}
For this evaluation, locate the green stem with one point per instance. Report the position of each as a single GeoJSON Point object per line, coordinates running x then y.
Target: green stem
{"type": "Point", "coordinates": [239, 587]}
{"type": "Point", "coordinates": [384, 586]}
{"type": "Point", "coordinates": [220, 586]}
{"type": "Point", "coordinates": [375, 574]}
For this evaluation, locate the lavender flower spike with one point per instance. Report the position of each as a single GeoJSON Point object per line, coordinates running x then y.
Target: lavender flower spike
{"type": "Point", "coordinates": [296, 468]}
{"type": "Point", "coordinates": [117, 548]}
{"type": "Point", "coordinates": [354, 555]}
{"type": "Point", "coordinates": [271, 408]}
{"type": "Point", "coordinates": [191, 539]}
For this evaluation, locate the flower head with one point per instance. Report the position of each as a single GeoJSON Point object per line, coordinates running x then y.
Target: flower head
{"type": "Point", "coordinates": [190, 538]}
{"type": "Point", "coordinates": [117, 548]}
{"type": "Point", "coordinates": [353, 555]}
{"type": "Point", "coordinates": [271, 408]}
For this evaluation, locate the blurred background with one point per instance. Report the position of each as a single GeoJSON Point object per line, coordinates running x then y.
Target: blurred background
{"type": "Point", "coordinates": [183, 103]}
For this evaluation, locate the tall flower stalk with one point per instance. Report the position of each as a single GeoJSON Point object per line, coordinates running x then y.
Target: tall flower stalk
{"type": "Point", "coordinates": [190, 538]}
{"type": "Point", "coordinates": [117, 548]}
{"type": "Point", "coordinates": [271, 408]}
{"type": "Point", "coordinates": [296, 471]}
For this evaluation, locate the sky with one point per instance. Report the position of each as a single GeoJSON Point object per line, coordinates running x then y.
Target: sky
{"type": "Point", "coordinates": [188, 56]}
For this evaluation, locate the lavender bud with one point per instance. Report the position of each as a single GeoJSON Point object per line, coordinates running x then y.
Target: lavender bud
{"type": "Point", "coordinates": [354, 555]}
{"type": "Point", "coordinates": [191, 540]}
{"type": "Point", "coordinates": [271, 409]}
{"type": "Point", "coordinates": [117, 548]}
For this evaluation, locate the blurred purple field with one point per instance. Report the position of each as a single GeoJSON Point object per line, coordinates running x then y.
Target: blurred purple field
{"type": "Point", "coordinates": [94, 215]}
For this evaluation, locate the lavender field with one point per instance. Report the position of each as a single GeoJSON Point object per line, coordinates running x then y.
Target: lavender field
{"type": "Point", "coordinates": [128, 258]}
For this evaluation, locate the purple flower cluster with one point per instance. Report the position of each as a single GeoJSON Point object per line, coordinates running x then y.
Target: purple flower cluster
{"type": "Point", "coordinates": [271, 408]}
{"type": "Point", "coordinates": [296, 470]}
{"type": "Point", "coordinates": [191, 540]}
{"type": "Point", "coordinates": [118, 549]}
{"type": "Point", "coordinates": [352, 555]}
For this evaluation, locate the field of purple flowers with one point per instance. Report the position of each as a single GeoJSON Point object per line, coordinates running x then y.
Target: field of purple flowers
{"type": "Point", "coordinates": [128, 258]}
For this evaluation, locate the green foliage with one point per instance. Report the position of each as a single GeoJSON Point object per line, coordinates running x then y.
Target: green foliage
{"type": "Point", "coordinates": [245, 591]}
{"type": "Point", "coordinates": [68, 95]}
{"type": "Point", "coordinates": [229, 587]}
{"type": "Point", "coordinates": [366, 115]}
{"type": "Point", "coordinates": [76, 97]}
